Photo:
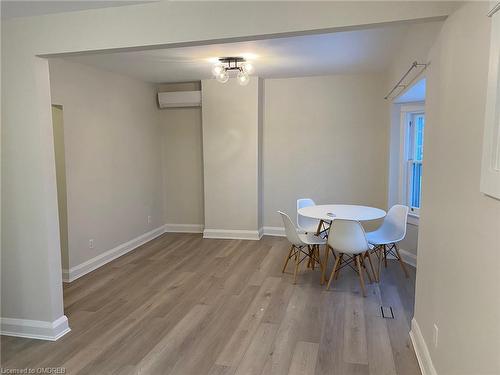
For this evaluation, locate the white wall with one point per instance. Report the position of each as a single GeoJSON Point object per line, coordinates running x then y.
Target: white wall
{"type": "Point", "coordinates": [410, 242]}
{"type": "Point", "coordinates": [418, 40]}
{"type": "Point", "coordinates": [182, 161]}
{"type": "Point", "coordinates": [31, 278]}
{"type": "Point", "coordinates": [417, 43]}
{"type": "Point", "coordinates": [231, 149]}
{"type": "Point", "coordinates": [113, 157]}
{"type": "Point", "coordinates": [324, 138]}
{"type": "Point", "coordinates": [458, 283]}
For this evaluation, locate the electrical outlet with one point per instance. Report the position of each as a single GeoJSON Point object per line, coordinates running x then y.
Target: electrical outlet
{"type": "Point", "coordinates": [435, 337]}
{"type": "Point", "coordinates": [91, 244]}
{"type": "Point", "coordinates": [149, 219]}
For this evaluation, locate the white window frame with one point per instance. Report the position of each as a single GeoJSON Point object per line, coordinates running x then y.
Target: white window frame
{"type": "Point", "coordinates": [407, 110]}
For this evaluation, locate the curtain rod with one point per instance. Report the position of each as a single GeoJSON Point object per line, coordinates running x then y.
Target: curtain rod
{"type": "Point", "coordinates": [397, 85]}
{"type": "Point", "coordinates": [493, 10]}
{"type": "Point", "coordinates": [415, 64]}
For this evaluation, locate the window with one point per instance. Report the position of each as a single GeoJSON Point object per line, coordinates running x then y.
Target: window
{"type": "Point", "coordinates": [414, 157]}
{"type": "Point", "coordinates": [407, 149]}
{"type": "Point", "coordinates": [408, 155]}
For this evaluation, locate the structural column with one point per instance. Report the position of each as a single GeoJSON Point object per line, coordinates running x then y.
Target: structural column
{"type": "Point", "coordinates": [232, 143]}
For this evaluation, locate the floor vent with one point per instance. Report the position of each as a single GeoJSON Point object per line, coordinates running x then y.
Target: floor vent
{"type": "Point", "coordinates": [387, 312]}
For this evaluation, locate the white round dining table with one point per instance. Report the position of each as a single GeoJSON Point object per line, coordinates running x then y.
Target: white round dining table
{"type": "Point", "coordinates": [329, 212]}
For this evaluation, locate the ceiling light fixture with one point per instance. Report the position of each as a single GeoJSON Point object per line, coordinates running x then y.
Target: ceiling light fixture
{"type": "Point", "coordinates": [228, 64]}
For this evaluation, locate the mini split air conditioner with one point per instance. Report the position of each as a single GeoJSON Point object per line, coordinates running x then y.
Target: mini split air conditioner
{"type": "Point", "coordinates": [178, 99]}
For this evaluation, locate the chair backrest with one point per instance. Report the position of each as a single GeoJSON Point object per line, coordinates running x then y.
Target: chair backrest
{"type": "Point", "coordinates": [302, 221]}
{"type": "Point", "coordinates": [290, 230]}
{"type": "Point", "coordinates": [394, 225]}
{"type": "Point", "coordinates": [347, 236]}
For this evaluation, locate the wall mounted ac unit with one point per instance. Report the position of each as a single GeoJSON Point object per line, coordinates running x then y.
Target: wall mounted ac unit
{"type": "Point", "coordinates": [178, 99]}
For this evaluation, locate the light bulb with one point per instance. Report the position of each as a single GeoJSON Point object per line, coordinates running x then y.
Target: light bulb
{"type": "Point", "coordinates": [223, 77]}
{"type": "Point", "coordinates": [217, 69]}
{"type": "Point", "coordinates": [243, 78]}
{"type": "Point", "coordinates": [247, 67]}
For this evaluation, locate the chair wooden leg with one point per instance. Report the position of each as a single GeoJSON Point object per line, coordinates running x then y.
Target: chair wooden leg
{"type": "Point", "coordinates": [287, 259]}
{"type": "Point", "coordinates": [380, 258]}
{"type": "Point", "coordinates": [401, 261]}
{"type": "Point", "coordinates": [371, 266]}
{"type": "Point", "coordinates": [341, 256]}
{"type": "Point", "coordinates": [320, 264]}
{"type": "Point", "coordinates": [360, 272]}
{"type": "Point", "coordinates": [310, 261]}
{"type": "Point", "coordinates": [325, 264]}
{"type": "Point", "coordinates": [297, 262]}
{"type": "Point", "coordinates": [313, 257]}
{"type": "Point", "coordinates": [385, 256]}
{"type": "Point", "coordinates": [318, 230]}
{"type": "Point", "coordinates": [362, 260]}
{"type": "Point", "coordinates": [332, 275]}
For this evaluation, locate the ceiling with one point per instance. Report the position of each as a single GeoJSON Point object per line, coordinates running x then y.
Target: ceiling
{"type": "Point", "coordinates": [360, 51]}
{"type": "Point", "coordinates": [21, 8]}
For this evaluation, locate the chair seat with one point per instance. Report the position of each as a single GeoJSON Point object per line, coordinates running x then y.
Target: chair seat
{"type": "Point", "coordinates": [370, 247]}
{"type": "Point", "coordinates": [380, 238]}
{"type": "Point", "coordinates": [311, 239]}
{"type": "Point", "coordinates": [308, 229]}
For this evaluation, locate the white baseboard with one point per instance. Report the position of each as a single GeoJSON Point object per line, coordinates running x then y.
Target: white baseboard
{"type": "Point", "coordinates": [184, 228]}
{"type": "Point", "coordinates": [82, 269]}
{"type": "Point", "coordinates": [408, 258]}
{"type": "Point", "coordinates": [233, 234]}
{"type": "Point", "coordinates": [421, 350]}
{"type": "Point", "coordinates": [35, 329]}
{"type": "Point", "coordinates": [90, 265]}
{"type": "Point", "coordinates": [274, 231]}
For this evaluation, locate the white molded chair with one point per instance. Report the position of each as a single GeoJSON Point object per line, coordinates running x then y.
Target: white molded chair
{"type": "Point", "coordinates": [299, 242]}
{"type": "Point", "coordinates": [306, 224]}
{"type": "Point", "coordinates": [386, 237]}
{"type": "Point", "coordinates": [348, 238]}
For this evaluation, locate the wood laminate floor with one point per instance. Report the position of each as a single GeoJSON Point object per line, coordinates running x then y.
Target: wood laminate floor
{"type": "Point", "coordinates": [185, 305]}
